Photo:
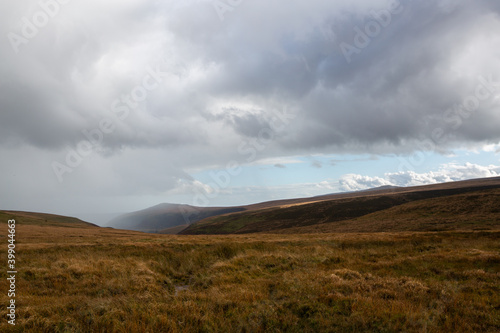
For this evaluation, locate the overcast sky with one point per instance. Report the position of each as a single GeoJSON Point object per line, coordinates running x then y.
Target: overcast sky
{"type": "Point", "coordinates": [114, 106]}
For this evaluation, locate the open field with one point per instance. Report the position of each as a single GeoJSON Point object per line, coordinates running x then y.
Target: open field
{"type": "Point", "coordinates": [85, 278]}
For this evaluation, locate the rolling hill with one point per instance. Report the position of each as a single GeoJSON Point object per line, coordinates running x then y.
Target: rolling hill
{"type": "Point", "coordinates": [478, 210]}
{"type": "Point", "coordinates": [448, 206]}
{"type": "Point", "coordinates": [45, 229]}
{"type": "Point", "coordinates": [42, 219]}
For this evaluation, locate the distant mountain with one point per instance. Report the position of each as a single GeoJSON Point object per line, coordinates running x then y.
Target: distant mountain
{"type": "Point", "coordinates": [166, 216]}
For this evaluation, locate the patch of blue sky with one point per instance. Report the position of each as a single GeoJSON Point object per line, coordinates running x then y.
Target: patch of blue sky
{"type": "Point", "coordinates": [318, 168]}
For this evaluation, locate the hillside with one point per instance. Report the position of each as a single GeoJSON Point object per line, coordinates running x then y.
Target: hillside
{"type": "Point", "coordinates": [42, 219]}
{"type": "Point", "coordinates": [340, 210]}
{"type": "Point", "coordinates": [479, 210]}
{"type": "Point", "coordinates": [177, 218]}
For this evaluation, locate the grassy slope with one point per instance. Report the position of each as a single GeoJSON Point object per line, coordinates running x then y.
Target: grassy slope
{"type": "Point", "coordinates": [173, 230]}
{"type": "Point", "coordinates": [41, 219]}
{"type": "Point", "coordinates": [296, 215]}
{"type": "Point", "coordinates": [440, 209]}
{"type": "Point", "coordinates": [472, 211]}
{"type": "Point", "coordinates": [103, 280]}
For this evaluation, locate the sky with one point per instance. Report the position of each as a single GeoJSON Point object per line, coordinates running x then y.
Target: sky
{"type": "Point", "coordinates": [113, 106]}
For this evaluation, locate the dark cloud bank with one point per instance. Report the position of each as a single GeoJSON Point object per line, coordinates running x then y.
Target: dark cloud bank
{"type": "Point", "coordinates": [192, 81]}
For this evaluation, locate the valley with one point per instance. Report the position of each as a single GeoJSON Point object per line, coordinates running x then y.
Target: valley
{"type": "Point", "coordinates": [384, 262]}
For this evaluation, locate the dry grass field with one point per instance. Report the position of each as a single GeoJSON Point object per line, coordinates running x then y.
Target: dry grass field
{"type": "Point", "coordinates": [74, 277]}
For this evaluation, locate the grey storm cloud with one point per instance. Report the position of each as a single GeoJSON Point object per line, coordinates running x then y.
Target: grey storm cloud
{"type": "Point", "coordinates": [179, 87]}
{"type": "Point", "coordinates": [392, 92]}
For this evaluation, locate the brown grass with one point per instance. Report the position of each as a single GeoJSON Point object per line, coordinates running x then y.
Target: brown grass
{"type": "Point", "coordinates": [103, 280]}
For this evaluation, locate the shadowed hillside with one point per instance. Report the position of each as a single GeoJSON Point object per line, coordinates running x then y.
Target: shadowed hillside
{"type": "Point", "coordinates": [479, 210]}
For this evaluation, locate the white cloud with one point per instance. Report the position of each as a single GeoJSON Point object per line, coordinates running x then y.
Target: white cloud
{"type": "Point", "coordinates": [353, 182]}
{"type": "Point", "coordinates": [492, 148]}
{"type": "Point", "coordinates": [195, 192]}
{"type": "Point", "coordinates": [447, 173]}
